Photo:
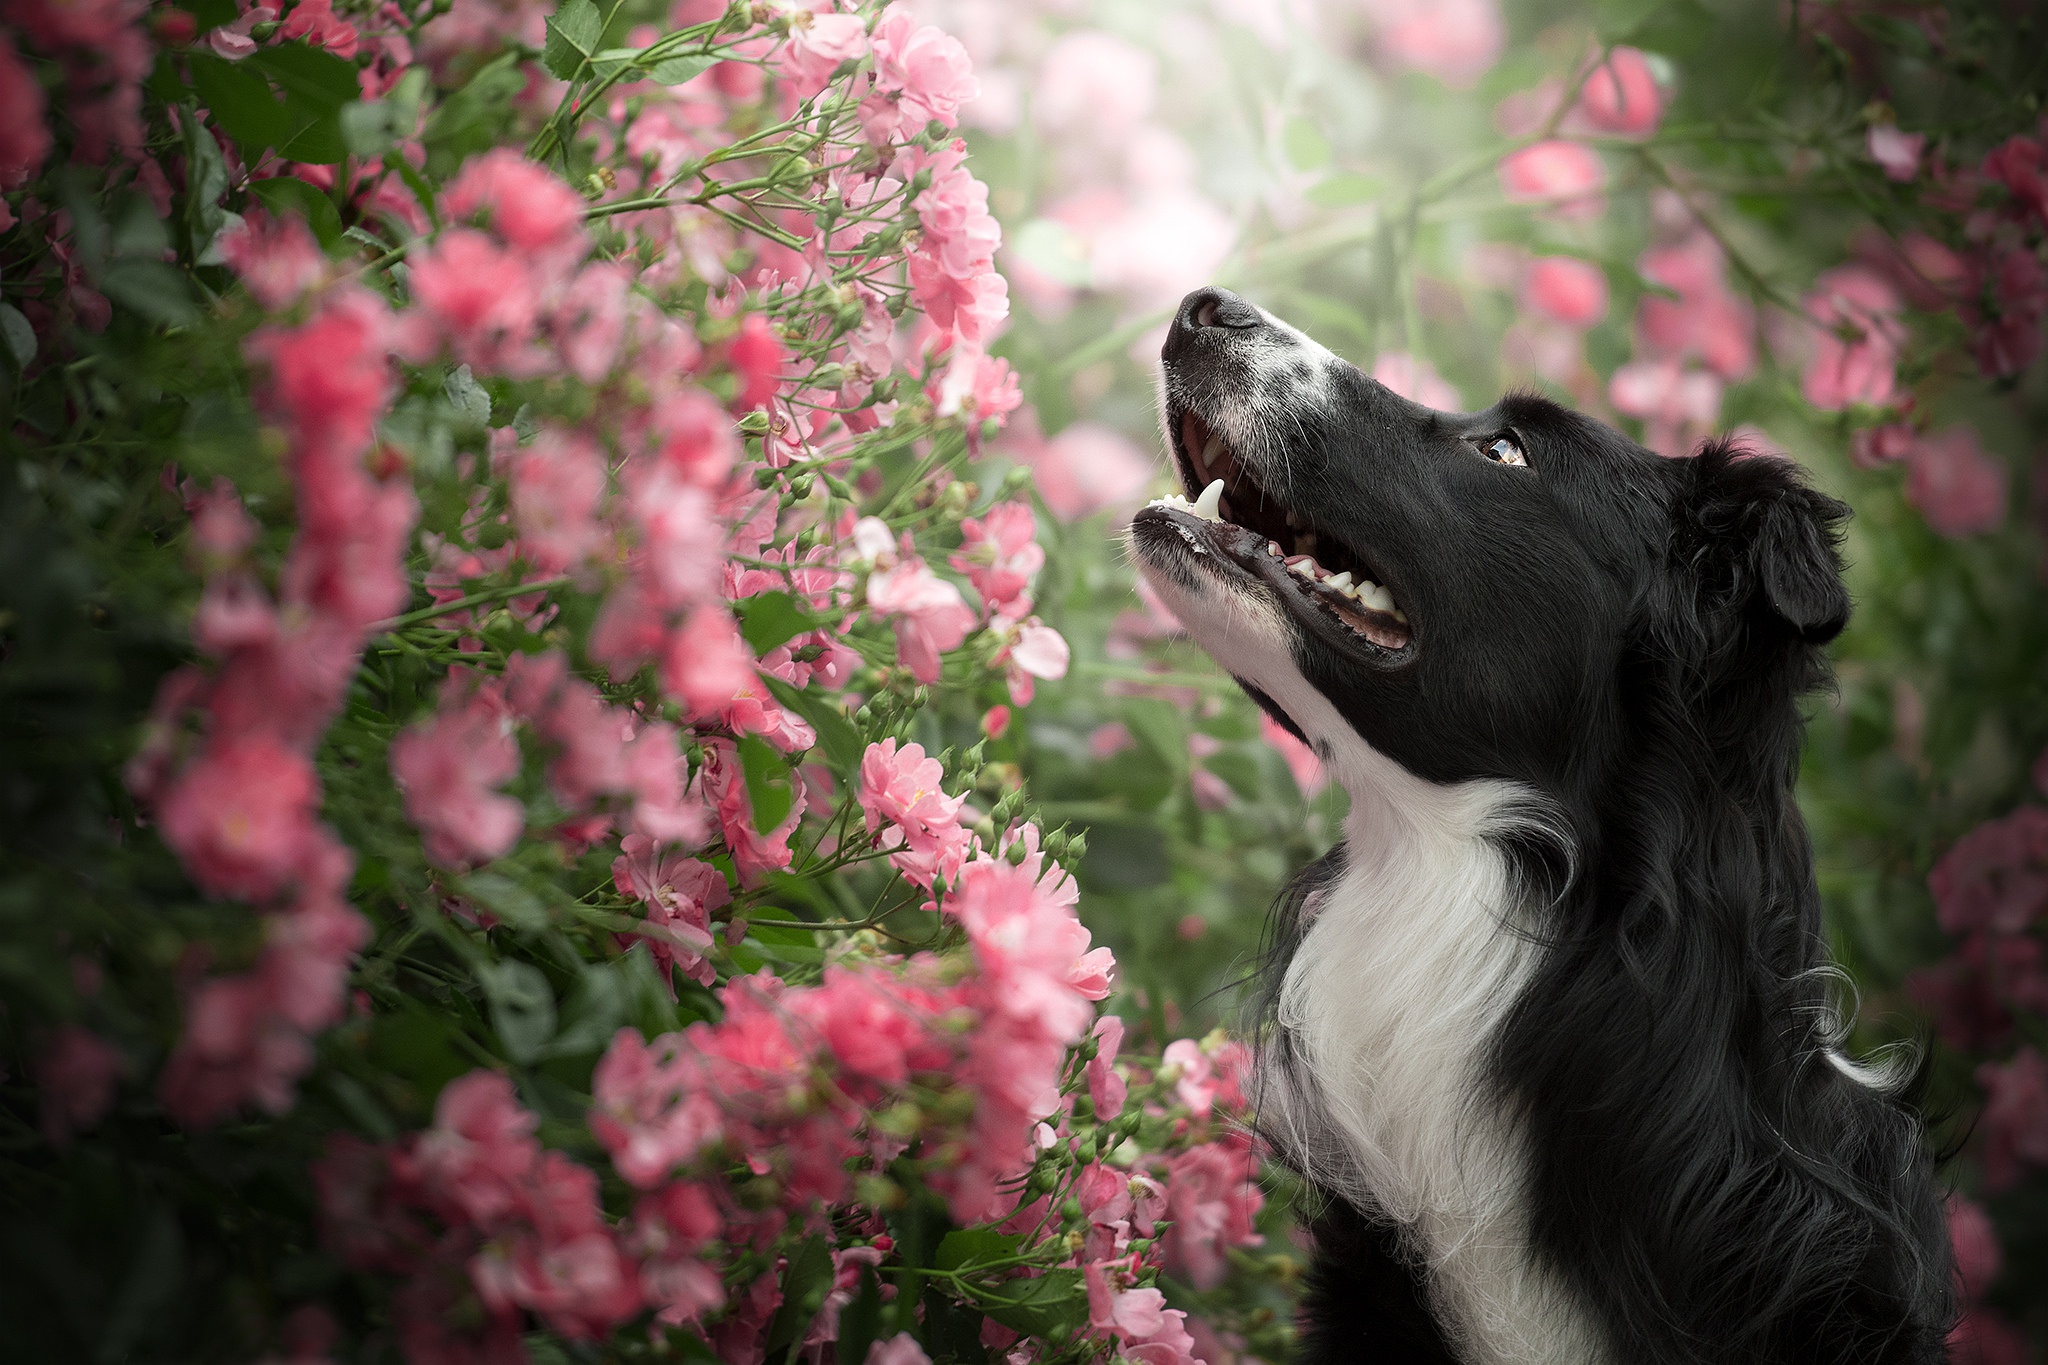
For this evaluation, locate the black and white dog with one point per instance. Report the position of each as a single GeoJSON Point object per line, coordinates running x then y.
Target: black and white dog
{"type": "Point", "coordinates": [1553, 1029]}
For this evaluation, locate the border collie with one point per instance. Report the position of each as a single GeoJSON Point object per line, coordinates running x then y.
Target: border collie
{"type": "Point", "coordinates": [1553, 1031]}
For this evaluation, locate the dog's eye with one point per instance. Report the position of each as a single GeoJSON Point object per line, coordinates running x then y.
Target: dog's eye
{"type": "Point", "coordinates": [1502, 450]}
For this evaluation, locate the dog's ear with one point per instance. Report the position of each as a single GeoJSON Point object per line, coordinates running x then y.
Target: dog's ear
{"type": "Point", "coordinates": [1765, 542]}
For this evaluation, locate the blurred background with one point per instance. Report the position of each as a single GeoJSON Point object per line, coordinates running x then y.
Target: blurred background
{"type": "Point", "coordinates": [1818, 226]}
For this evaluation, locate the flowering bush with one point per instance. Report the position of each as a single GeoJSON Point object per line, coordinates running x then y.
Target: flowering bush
{"type": "Point", "coordinates": [574, 722]}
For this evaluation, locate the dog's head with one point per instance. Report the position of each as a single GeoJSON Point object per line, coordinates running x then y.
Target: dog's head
{"type": "Point", "coordinates": [1465, 592]}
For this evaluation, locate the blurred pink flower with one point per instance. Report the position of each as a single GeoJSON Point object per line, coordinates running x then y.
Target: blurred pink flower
{"type": "Point", "coordinates": [1088, 468]}
{"type": "Point", "coordinates": [1978, 1256]}
{"type": "Point", "coordinates": [679, 894]}
{"type": "Point", "coordinates": [1959, 488]}
{"type": "Point", "coordinates": [76, 1075]}
{"type": "Point", "coordinates": [1620, 97]}
{"type": "Point", "coordinates": [2015, 1118]}
{"type": "Point", "coordinates": [1705, 320]}
{"type": "Point", "coordinates": [1996, 876]}
{"type": "Point", "coordinates": [1856, 353]}
{"type": "Point", "coordinates": [1565, 175]}
{"type": "Point", "coordinates": [930, 615]}
{"type": "Point", "coordinates": [1675, 404]}
{"type": "Point", "coordinates": [818, 43]}
{"type": "Point", "coordinates": [1036, 651]}
{"type": "Point", "coordinates": [1457, 41]}
{"type": "Point", "coordinates": [1106, 1089]}
{"type": "Point", "coordinates": [1898, 153]}
{"type": "Point", "coordinates": [1000, 554]}
{"type": "Point", "coordinates": [901, 1349]}
{"type": "Point", "coordinates": [900, 788]}
{"type": "Point", "coordinates": [1566, 289]}
{"type": "Point", "coordinates": [449, 768]}
{"type": "Point", "coordinates": [240, 816]}
{"type": "Point", "coordinates": [1094, 86]}
{"type": "Point", "coordinates": [1416, 380]}
{"type": "Point", "coordinates": [529, 206]}
{"type": "Point", "coordinates": [555, 486]}
{"type": "Point", "coordinates": [1213, 1196]}
{"type": "Point", "coordinates": [277, 258]}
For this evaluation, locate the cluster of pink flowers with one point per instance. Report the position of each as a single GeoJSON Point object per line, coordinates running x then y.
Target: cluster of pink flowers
{"type": "Point", "coordinates": [228, 764]}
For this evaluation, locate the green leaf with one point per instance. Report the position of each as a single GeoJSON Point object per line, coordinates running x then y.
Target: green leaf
{"type": "Point", "coordinates": [19, 336]}
{"type": "Point", "coordinates": [152, 288]}
{"type": "Point", "coordinates": [1050, 1305]}
{"type": "Point", "coordinates": [468, 396]}
{"type": "Point", "coordinates": [239, 101]}
{"type": "Point", "coordinates": [804, 1286]}
{"type": "Point", "coordinates": [308, 76]}
{"type": "Point", "coordinates": [210, 13]}
{"type": "Point", "coordinates": [1304, 144]}
{"type": "Point", "coordinates": [676, 70]}
{"type": "Point", "coordinates": [522, 1007]}
{"type": "Point", "coordinates": [287, 194]}
{"type": "Point", "coordinates": [317, 142]}
{"type": "Point", "coordinates": [573, 34]}
{"type": "Point", "coordinates": [593, 1013]}
{"type": "Point", "coordinates": [768, 619]}
{"type": "Point", "coordinates": [970, 1247]}
{"type": "Point", "coordinates": [768, 782]}
{"type": "Point", "coordinates": [837, 736]}
{"type": "Point", "coordinates": [366, 128]}
{"type": "Point", "coordinates": [511, 902]}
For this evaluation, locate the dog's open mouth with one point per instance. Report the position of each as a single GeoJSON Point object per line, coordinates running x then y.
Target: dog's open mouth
{"type": "Point", "coordinates": [1284, 547]}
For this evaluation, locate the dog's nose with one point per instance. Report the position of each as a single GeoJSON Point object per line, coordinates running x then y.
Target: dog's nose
{"type": "Point", "coordinates": [1213, 307]}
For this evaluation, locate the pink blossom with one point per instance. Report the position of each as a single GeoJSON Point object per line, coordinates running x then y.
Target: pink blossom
{"type": "Point", "coordinates": [529, 205]}
{"type": "Point", "coordinates": [1000, 554]}
{"type": "Point", "coordinates": [1857, 350]}
{"type": "Point", "coordinates": [1896, 152]}
{"type": "Point", "coordinates": [449, 768]}
{"type": "Point", "coordinates": [925, 68]}
{"type": "Point", "coordinates": [1705, 320]}
{"type": "Point", "coordinates": [665, 806]}
{"type": "Point", "coordinates": [479, 297]}
{"type": "Point", "coordinates": [240, 817]}
{"type": "Point", "coordinates": [1456, 41]}
{"type": "Point", "coordinates": [1974, 993]}
{"type": "Point", "coordinates": [1088, 468]}
{"type": "Point", "coordinates": [1213, 1196]}
{"type": "Point", "coordinates": [2015, 1117]}
{"type": "Point", "coordinates": [704, 663]}
{"type": "Point", "coordinates": [1194, 1075]}
{"type": "Point", "coordinates": [315, 21]}
{"type": "Point", "coordinates": [1621, 97]}
{"type": "Point", "coordinates": [277, 258]}
{"type": "Point", "coordinates": [754, 851]}
{"type": "Point", "coordinates": [1959, 488]}
{"type": "Point", "coordinates": [1094, 85]}
{"type": "Point", "coordinates": [1978, 1256]}
{"type": "Point", "coordinates": [1567, 175]}
{"type": "Point", "coordinates": [76, 1076]}
{"type": "Point", "coordinates": [2020, 163]}
{"type": "Point", "coordinates": [480, 1150]}
{"type": "Point", "coordinates": [679, 894]}
{"type": "Point", "coordinates": [818, 43]}
{"type": "Point", "coordinates": [24, 138]}
{"type": "Point", "coordinates": [693, 438]}
{"type": "Point", "coordinates": [901, 1349]}
{"type": "Point", "coordinates": [978, 384]}
{"type": "Point", "coordinates": [1985, 1336]}
{"type": "Point", "coordinates": [1417, 380]}
{"type": "Point", "coordinates": [1106, 1088]}
{"type": "Point", "coordinates": [874, 1028]}
{"type": "Point", "coordinates": [1996, 876]}
{"type": "Point", "coordinates": [235, 1048]}
{"type": "Point", "coordinates": [1125, 1312]}
{"type": "Point", "coordinates": [1037, 651]}
{"type": "Point", "coordinates": [900, 788]}
{"type": "Point", "coordinates": [589, 324]}
{"type": "Point", "coordinates": [1676, 404]}
{"type": "Point", "coordinates": [649, 1108]}
{"type": "Point", "coordinates": [930, 615]}
{"type": "Point", "coordinates": [556, 485]}
{"type": "Point", "coordinates": [1569, 290]}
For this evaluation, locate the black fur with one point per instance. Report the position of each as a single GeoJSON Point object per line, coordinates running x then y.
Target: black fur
{"type": "Point", "coordinates": [1631, 636]}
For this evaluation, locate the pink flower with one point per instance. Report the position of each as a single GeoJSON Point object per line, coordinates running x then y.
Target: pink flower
{"type": "Point", "coordinates": [1978, 1256]}
{"type": "Point", "coordinates": [1857, 350]}
{"type": "Point", "coordinates": [754, 851]}
{"type": "Point", "coordinates": [649, 1108]}
{"type": "Point", "coordinates": [556, 485]}
{"type": "Point", "coordinates": [924, 67]}
{"type": "Point", "coordinates": [874, 1028]}
{"type": "Point", "coordinates": [1036, 651]}
{"type": "Point", "coordinates": [1676, 404]}
{"type": "Point", "coordinates": [1088, 468]}
{"type": "Point", "coordinates": [817, 44]}
{"type": "Point", "coordinates": [2015, 1118]}
{"type": "Point", "coordinates": [1564, 288]}
{"type": "Point", "coordinates": [679, 894]}
{"type": "Point", "coordinates": [1959, 488]}
{"type": "Point", "coordinates": [900, 787]}
{"type": "Point", "coordinates": [76, 1077]}
{"type": "Point", "coordinates": [479, 297]}
{"type": "Point", "coordinates": [1194, 1076]}
{"type": "Point", "coordinates": [1416, 380]}
{"type": "Point", "coordinates": [756, 353]}
{"type": "Point", "coordinates": [1094, 85]}
{"type": "Point", "coordinates": [480, 1150]}
{"type": "Point", "coordinates": [1000, 554]}
{"type": "Point", "coordinates": [1567, 175]}
{"type": "Point", "coordinates": [1126, 1312]}
{"type": "Point", "coordinates": [1621, 96]}
{"type": "Point", "coordinates": [1996, 876]}
{"type": "Point", "coordinates": [449, 768]}
{"type": "Point", "coordinates": [315, 21]}
{"type": "Point", "coordinates": [705, 664]}
{"type": "Point", "coordinates": [1456, 41]}
{"type": "Point", "coordinates": [1898, 153]}
{"type": "Point", "coordinates": [1705, 320]}
{"type": "Point", "coordinates": [277, 258]}
{"type": "Point", "coordinates": [1213, 1196]}
{"type": "Point", "coordinates": [240, 817]}
{"type": "Point", "coordinates": [529, 205]}
{"type": "Point", "coordinates": [1106, 1089]}
{"type": "Point", "coordinates": [930, 615]}
{"type": "Point", "coordinates": [24, 138]}
{"type": "Point", "coordinates": [901, 1349]}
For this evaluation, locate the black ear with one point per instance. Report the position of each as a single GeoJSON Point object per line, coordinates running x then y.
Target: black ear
{"type": "Point", "coordinates": [1767, 542]}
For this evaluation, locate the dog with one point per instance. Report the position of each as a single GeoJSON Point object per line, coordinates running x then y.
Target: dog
{"type": "Point", "coordinates": [1552, 1033]}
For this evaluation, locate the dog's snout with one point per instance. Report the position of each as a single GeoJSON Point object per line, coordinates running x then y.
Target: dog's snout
{"type": "Point", "coordinates": [1209, 310]}
{"type": "Point", "coordinates": [1213, 307]}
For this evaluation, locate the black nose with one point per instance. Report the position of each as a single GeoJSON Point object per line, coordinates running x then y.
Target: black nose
{"type": "Point", "coordinates": [1213, 307]}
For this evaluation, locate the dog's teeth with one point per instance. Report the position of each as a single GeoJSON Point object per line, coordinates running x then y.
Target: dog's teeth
{"type": "Point", "coordinates": [1399, 615]}
{"type": "Point", "coordinates": [1375, 596]}
{"type": "Point", "coordinates": [1273, 549]}
{"type": "Point", "coordinates": [1304, 566]}
{"type": "Point", "coordinates": [1340, 581]}
{"type": "Point", "coordinates": [1208, 506]}
{"type": "Point", "coordinates": [1210, 447]}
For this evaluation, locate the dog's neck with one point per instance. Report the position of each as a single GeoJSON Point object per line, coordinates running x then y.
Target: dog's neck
{"type": "Point", "coordinates": [1408, 961]}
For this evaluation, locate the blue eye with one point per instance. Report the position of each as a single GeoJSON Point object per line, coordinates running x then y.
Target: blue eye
{"type": "Point", "coordinates": [1503, 450]}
